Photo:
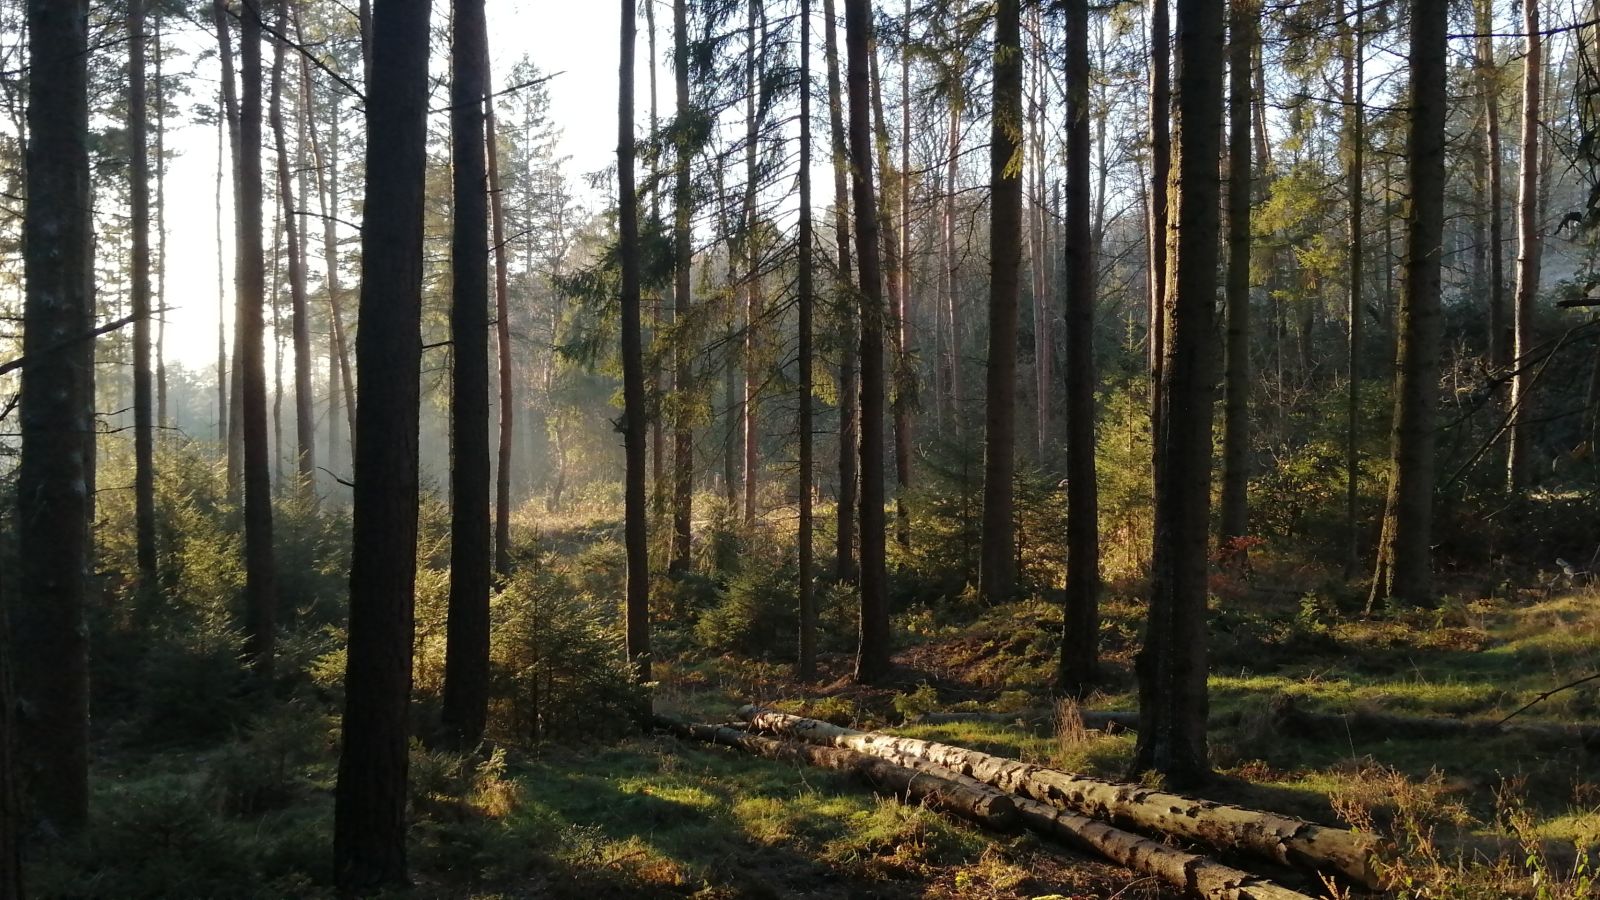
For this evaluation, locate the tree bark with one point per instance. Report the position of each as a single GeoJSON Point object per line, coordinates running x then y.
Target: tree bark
{"type": "Point", "coordinates": [222, 295]}
{"type": "Point", "coordinates": [503, 349]}
{"type": "Point", "coordinates": [807, 668]}
{"type": "Point", "coordinates": [230, 109]}
{"type": "Point", "coordinates": [845, 569]}
{"type": "Point", "coordinates": [261, 593]}
{"type": "Point", "coordinates": [896, 277]}
{"type": "Point", "coordinates": [12, 826]}
{"type": "Point", "coordinates": [56, 416]}
{"type": "Point", "coordinates": [1500, 330]}
{"type": "Point", "coordinates": [970, 800]}
{"type": "Point", "coordinates": [997, 563]}
{"type": "Point", "coordinates": [754, 76]}
{"type": "Point", "coordinates": [1355, 135]}
{"type": "Point", "coordinates": [1235, 504]}
{"type": "Point", "coordinates": [1172, 665]}
{"type": "Point", "coordinates": [636, 514]}
{"type": "Point", "coordinates": [1281, 839]}
{"type": "Point", "coordinates": [1519, 466]}
{"type": "Point", "coordinates": [1081, 621]}
{"type": "Point", "coordinates": [370, 800]}
{"type": "Point", "coordinates": [872, 656]}
{"type": "Point", "coordinates": [1404, 568]}
{"type": "Point", "coordinates": [1160, 166]}
{"type": "Point", "coordinates": [300, 326]}
{"type": "Point", "coordinates": [683, 250]}
{"type": "Point", "coordinates": [466, 669]}
{"type": "Point", "coordinates": [144, 463]}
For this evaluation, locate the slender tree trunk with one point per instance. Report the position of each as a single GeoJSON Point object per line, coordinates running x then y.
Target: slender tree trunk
{"type": "Point", "coordinates": [1235, 519]}
{"type": "Point", "coordinates": [56, 414]}
{"type": "Point", "coordinates": [1355, 131]}
{"type": "Point", "coordinates": [752, 254]}
{"type": "Point", "coordinates": [997, 567]}
{"type": "Point", "coordinates": [1500, 325]}
{"type": "Point", "coordinates": [261, 593]}
{"type": "Point", "coordinates": [1519, 468]}
{"type": "Point", "coordinates": [300, 325]}
{"type": "Point", "coordinates": [466, 669]}
{"type": "Point", "coordinates": [1172, 665]}
{"type": "Point", "coordinates": [947, 269]}
{"type": "Point", "coordinates": [636, 515]}
{"type": "Point", "coordinates": [807, 668]}
{"type": "Point", "coordinates": [1081, 621]}
{"type": "Point", "coordinates": [905, 374]}
{"type": "Point", "coordinates": [369, 836]}
{"type": "Point", "coordinates": [341, 380]}
{"type": "Point", "coordinates": [683, 249]}
{"type": "Point", "coordinates": [872, 657]}
{"type": "Point", "coordinates": [503, 348]}
{"type": "Point", "coordinates": [144, 469]}
{"type": "Point", "coordinates": [231, 111]}
{"type": "Point", "coordinates": [1404, 567]}
{"type": "Point", "coordinates": [658, 440]}
{"type": "Point", "coordinates": [845, 569]}
{"type": "Point", "coordinates": [222, 308]}
{"type": "Point", "coordinates": [1038, 253]}
{"type": "Point", "coordinates": [894, 279]}
{"type": "Point", "coordinates": [160, 208]}
{"type": "Point", "coordinates": [1160, 164]}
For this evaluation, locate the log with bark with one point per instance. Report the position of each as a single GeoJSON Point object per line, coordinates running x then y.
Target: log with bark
{"type": "Point", "coordinates": [1282, 839]}
{"type": "Point", "coordinates": [971, 800]}
{"type": "Point", "coordinates": [1191, 872]}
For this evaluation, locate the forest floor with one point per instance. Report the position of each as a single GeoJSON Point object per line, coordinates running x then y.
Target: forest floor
{"type": "Point", "coordinates": [650, 816]}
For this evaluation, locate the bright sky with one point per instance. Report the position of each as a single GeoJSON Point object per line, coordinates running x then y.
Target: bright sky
{"type": "Point", "coordinates": [577, 38]}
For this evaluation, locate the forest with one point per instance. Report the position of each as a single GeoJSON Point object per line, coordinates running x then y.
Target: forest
{"type": "Point", "coordinates": [732, 449]}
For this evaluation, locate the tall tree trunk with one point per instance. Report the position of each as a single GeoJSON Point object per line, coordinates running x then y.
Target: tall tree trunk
{"type": "Point", "coordinates": [1039, 260]}
{"type": "Point", "coordinates": [997, 567]}
{"type": "Point", "coordinates": [160, 249]}
{"type": "Point", "coordinates": [1519, 467]}
{"type": "Point", "coordinates": [369, 822]}
{"type": "Point", "coordinates": [222, 308]}
{"type": "Point", "coordinates": [1235, 519]}
{"type": "Point", "coordinates": [261, 593]}
{"type": "Point", "coordinates": [894, 279]}
{"type": "Point", "coordinates": [466, 666]}
{"type": "Point", "coordinates": [231, 112]}
{"type": "Point", "coordinates": [872, 656]}
{"type": "Point", "coordinates": [1160, 166]}
{"type": "Point", "coordinates": [144, 469]}
{"type": "Point", "coordinates": [1500, 325]}
{"type": "Point", "coordinates": [658, 439]}
{"type": "Point", "coordinates": [683, 253]}
{"type": "Point", "coordinates": [1404, 567]}
{"type": "Point", "coordinates": [49, 634]}
{"type": "Point", "coordinates": [949, 264]}
{"type": "Point", "coordinates": [341, 381]}
{"type": "Point", "coordinates": [752, 273]}
{"type": "Point", "coordinates": [1172, 665]}
{"type": "Point", "coordinates": [905, 374]}
{"type": "Point", "coordinates": [300, 325]}
{"type": "Point", "coordinates": [1081, 620]}
{"type": "Point", "coordinates": [1356, 136]}
{"type": "Point", "coordinates": [807, 668]}
{"type": "Point", "coordinates": [503, 348]}
{"type": "Point", "coordinates": [845, 568]}
{"type": "Point", "coordinates": [635, 516]}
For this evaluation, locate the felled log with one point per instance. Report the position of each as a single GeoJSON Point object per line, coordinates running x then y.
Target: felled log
{"type": "Point", "coordinates": [1191, 872]}
{"type": "Point", "coordinates": [1282, 839]}
{"type": "Point", "coordinates": [975, 801]}
{"type": "Point", "coordinates": [1291, 719]}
